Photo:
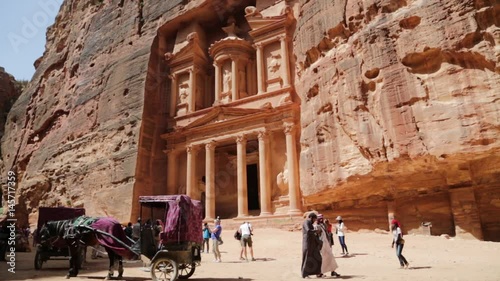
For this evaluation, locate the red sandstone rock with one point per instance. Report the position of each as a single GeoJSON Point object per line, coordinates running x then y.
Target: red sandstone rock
{"type": "Point", "coordinates": [399, 109]}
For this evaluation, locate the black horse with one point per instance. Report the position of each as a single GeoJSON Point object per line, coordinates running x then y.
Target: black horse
{"type": "Point", "coordinates": [78, 232]}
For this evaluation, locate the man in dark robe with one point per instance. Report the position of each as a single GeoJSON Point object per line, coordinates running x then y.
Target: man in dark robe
{"type": "Point", "coordinates": [311, 255]}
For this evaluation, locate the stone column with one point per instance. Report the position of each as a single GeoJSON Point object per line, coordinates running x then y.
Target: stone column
{"type": "Point", "coordinates": [285, 61]}
{"type": "Point", "coordinates": [192, 90]}
{"type": "Point", "coordinates": [260, 71]}
{"type": "Point", "coordinates": [210, 181]}
{"type": "Point", "coordinates": [172, 172]}
{"type": "Point", "coordinates": [217, 82]}
{"type": "Point", "coordinates": [173, 93]}
{"type": "Point", "coordinates": [191, 170]}
{"type": "Point", "coordinates": [265, 187]}
{"type": "Point", "coordinates": [293, 171]}
{"type": "Point", "coordinates": [235, 78]}
{"type": "Point", "coordinates": [241, 143]}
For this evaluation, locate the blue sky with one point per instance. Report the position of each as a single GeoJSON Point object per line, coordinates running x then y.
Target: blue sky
{"type": "Point", "coordinates": [23, 24]}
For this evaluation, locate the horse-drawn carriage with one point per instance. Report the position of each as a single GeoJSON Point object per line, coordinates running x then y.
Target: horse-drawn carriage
{"type": "Point", "coordinates": [174, 254]}
{"type": "Point", "coordinates": [56, 249]}
{"type": "Point", "coordinates": [179, 249]}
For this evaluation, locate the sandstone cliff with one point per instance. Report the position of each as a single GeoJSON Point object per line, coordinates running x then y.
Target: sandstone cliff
{"type": "Point", "coordinates": [399, 109]}
{"type": "Point", "coordinates": [73, 134]}
{"type": "Point", "coordinates": [9, 92]}
{"type": "Point", "coordinates": [400, 103]}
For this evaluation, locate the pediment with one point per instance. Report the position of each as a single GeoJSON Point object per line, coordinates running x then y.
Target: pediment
{"type": "Point", "coordinates": [191, 53]}
{"type": "Point", "coordinates": [260, 24]}
{"type": "Point", "coordinates": [221, 114]}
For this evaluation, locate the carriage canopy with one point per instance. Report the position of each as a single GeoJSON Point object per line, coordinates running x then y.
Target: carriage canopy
{"type": "Point", "coordinates": [183, 217]}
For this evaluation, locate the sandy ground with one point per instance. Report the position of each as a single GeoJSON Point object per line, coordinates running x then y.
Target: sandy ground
{"type": "Point", "coordinates": [278, 256]}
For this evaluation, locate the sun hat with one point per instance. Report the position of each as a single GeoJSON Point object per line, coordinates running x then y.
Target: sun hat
{"type": "Point", "coordinates": [339, 218]}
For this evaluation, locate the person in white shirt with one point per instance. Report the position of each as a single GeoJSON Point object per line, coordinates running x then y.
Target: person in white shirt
{"type": "Point", "coordinates": [400, 242]}
{"type": "Point", "coordinates": [341, 228]}
{"type": "Point", "coordinates": [246, 240]}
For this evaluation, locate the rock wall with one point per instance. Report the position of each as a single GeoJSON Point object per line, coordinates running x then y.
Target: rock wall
{"type": "Point", "coordinates": [399, 109]}
{"type": "Point", "coordinates": [9, 92]}
{"type": "Point", "coordinates": [73, 134]}
{"type": "Point", "coordinates": [400, 106]}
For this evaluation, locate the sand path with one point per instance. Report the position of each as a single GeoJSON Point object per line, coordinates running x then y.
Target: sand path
{"type": "Point", "coordinates": [278, 254]}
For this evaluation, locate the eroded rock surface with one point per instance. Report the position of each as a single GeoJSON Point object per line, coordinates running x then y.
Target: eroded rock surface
{"type": "Point", "coordinates": [73, 134]}
{"type": "Point", "coordinates": [400, 108]}
{"type": "Point", "coordinates": [9, 92]}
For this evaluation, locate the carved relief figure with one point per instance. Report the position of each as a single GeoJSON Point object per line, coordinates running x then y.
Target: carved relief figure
{"type": "Point", "coordinates": [275, 63]}
{"type": "Point", "coordinates": [183, 93]}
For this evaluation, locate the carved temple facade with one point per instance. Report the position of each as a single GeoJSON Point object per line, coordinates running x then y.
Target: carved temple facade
{"type": "Point", "coordinates": [233, 115]}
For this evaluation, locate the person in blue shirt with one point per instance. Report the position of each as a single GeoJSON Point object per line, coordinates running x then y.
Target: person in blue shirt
{"type": "Point", "coordinates": [215, 240]}
{"type": "Point", "coordinates": [206, 237]}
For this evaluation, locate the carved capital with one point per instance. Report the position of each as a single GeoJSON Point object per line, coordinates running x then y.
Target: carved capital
{"type": "Point", "coordinates": [241, 139]}
{"type": "Point", "coordinates": [194, 69]}
{"type": "Point", "coordinates": [234, 58]}
{"type": "Point", "coordinates": [192, 149]}
{"type": "Point", "coordinates": [282, 37]}
{"type": "Point", "coordinates": [288, 128]}
{"type": "Point", "coordinates": [262, 135]}
{"type": "Point", "coordinates": [210, 145]}
{"type": "Point", "coordinates": [259, 45]}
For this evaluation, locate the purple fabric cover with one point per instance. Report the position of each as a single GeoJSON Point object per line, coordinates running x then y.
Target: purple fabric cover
{"type": "Point", "coordinates": [113, 227]}
{"type": "Point", "coordinates": [183, 220]}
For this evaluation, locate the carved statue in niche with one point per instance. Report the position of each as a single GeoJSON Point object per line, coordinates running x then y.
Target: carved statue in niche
{"type": "Point", "coordinates": [183, 93]}
{"type": "Point", "coordinates": [227, 81]}
{"type": "Point", "coordinates": [275, 63]}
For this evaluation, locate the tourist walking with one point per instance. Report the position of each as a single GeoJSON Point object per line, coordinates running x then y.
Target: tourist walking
{"type": "Point", "coordinates": [400, 242]}
{"type": "Point", "coordinates": [215, 240]}
{"type": "Point", "coordinates": [246, 240]}
{"type": "Point", "coordinates": [206, 238]}
{"type": "Point", "coordinates": [341, 229]}
{"type": "Point", "coordinates": [136, 230]}
{"type": "Point", "coordinates": [311, 245]}
{"type": "Point", "coordinates": [328, 263]}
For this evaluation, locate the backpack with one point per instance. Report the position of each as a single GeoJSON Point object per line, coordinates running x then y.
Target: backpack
{"type": "Point", "coordinates": [237, 235]}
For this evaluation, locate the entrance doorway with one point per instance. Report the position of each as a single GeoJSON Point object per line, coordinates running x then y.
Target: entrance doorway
{"type": "Point", "coordinates": [253, 187]}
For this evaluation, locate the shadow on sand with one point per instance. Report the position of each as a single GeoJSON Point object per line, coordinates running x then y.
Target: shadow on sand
{"type": "Point", "coordinates": [352, 255]}
{"type": "Point", "coordinates": [420, 267]}
{"type": "Point", "coordinates": [256, 260]}
{"type": "Point", "coordinates": [337, 278]}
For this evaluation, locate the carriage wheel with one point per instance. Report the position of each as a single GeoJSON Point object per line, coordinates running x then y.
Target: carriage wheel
{"type": "Point", "coordinates": [164, 269]}
{"type": "Point", "coordinates": [38, 260]}
{"type": "Point", "coordinates": [186, 270]}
